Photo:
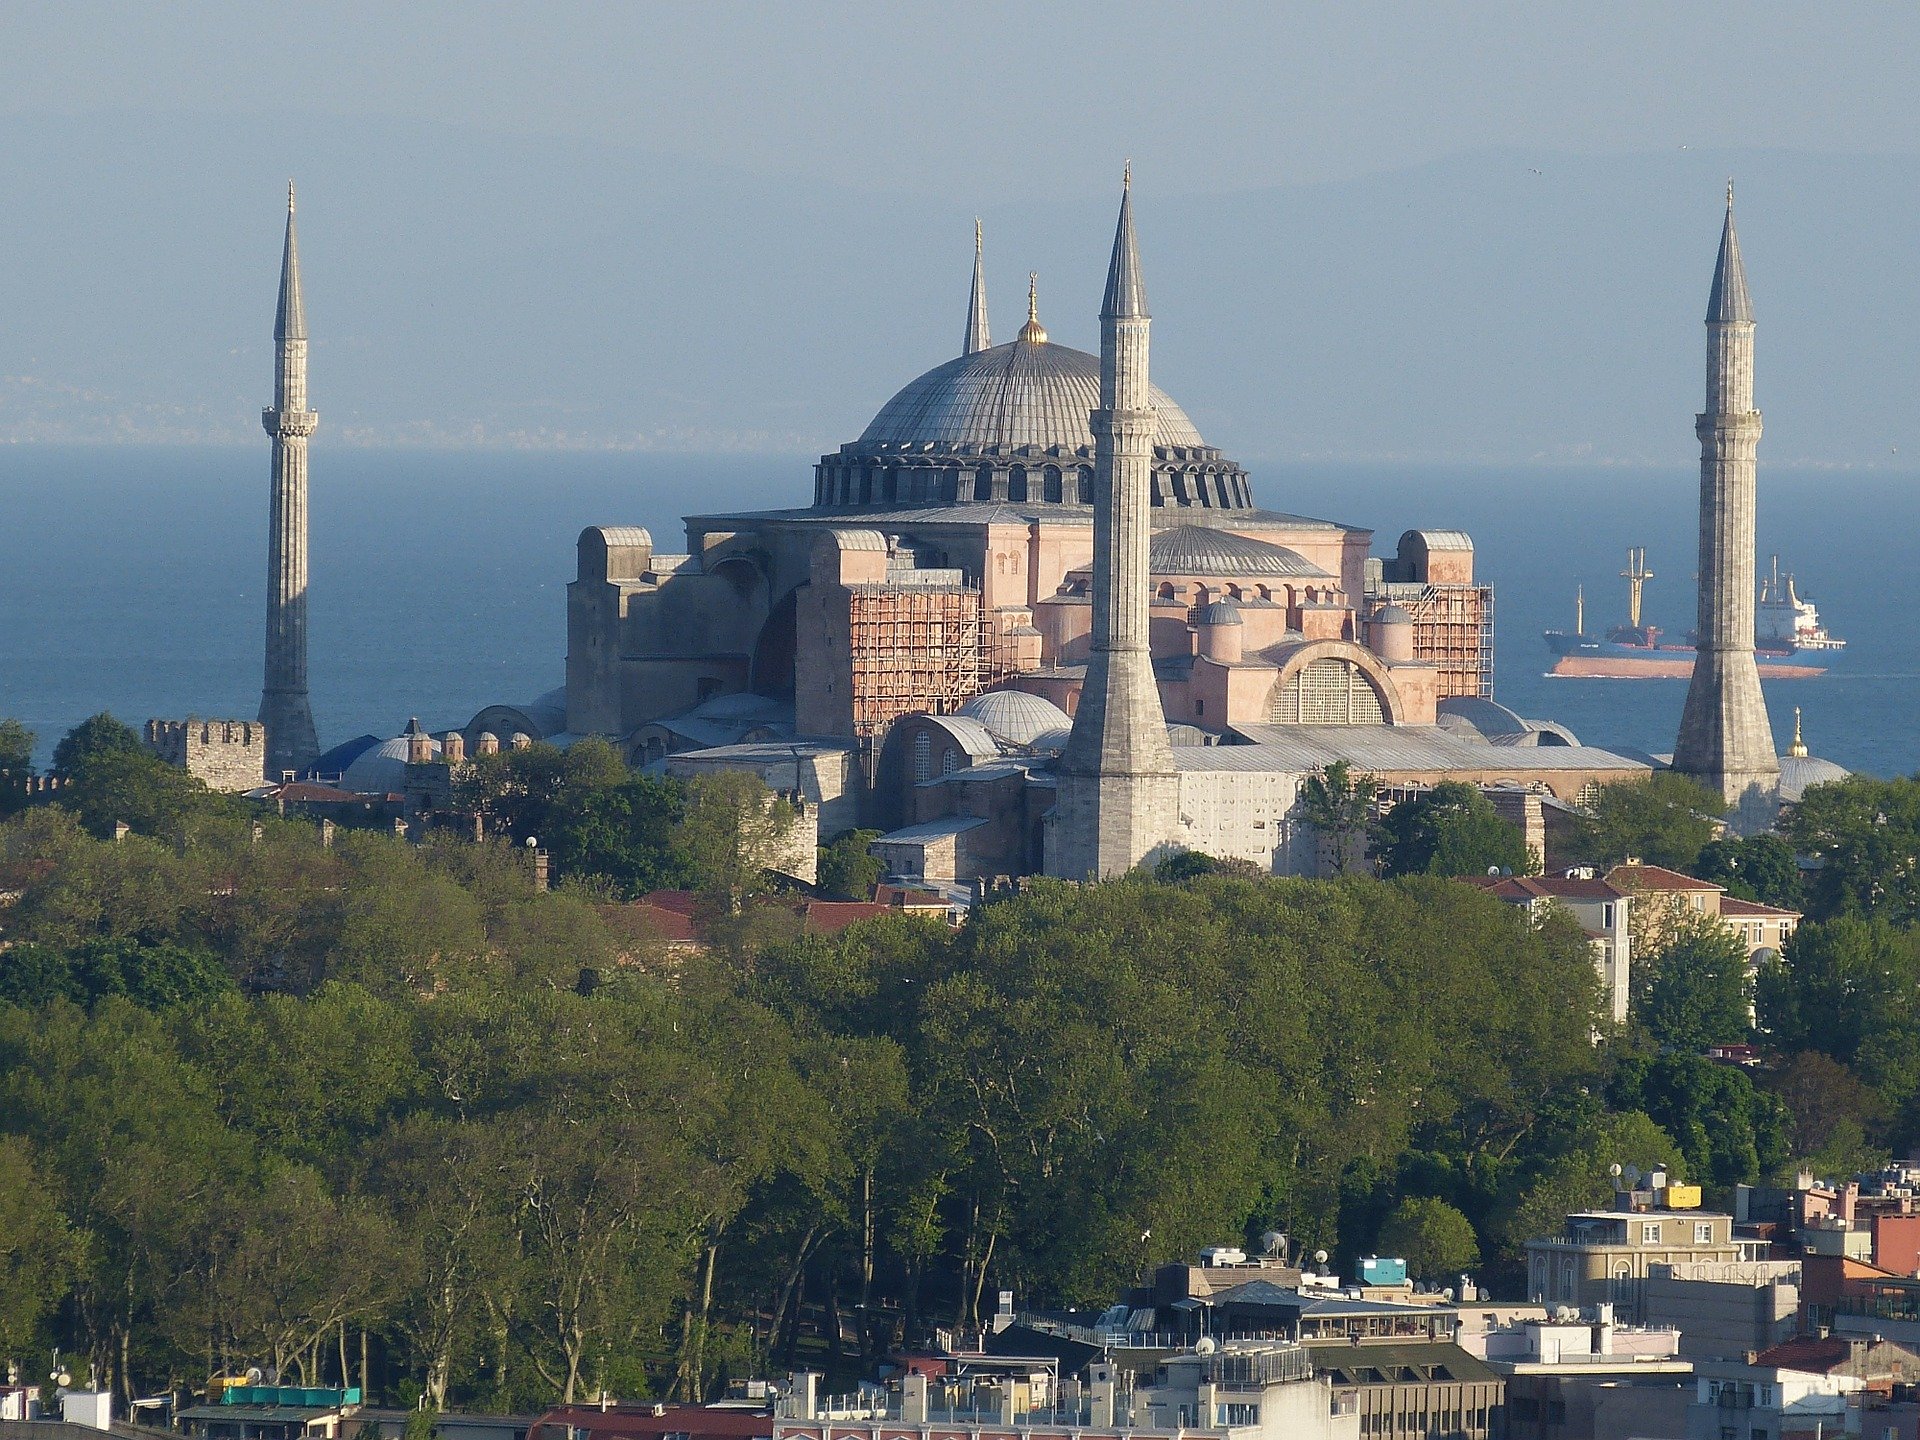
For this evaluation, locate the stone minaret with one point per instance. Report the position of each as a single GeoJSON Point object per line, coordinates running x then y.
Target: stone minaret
{"type": "Point", "coordinates": [1118, 796]}
{"type": "Point", "coordinates": [1726, 740]}
{"type": "Point", "coordinates": [977, 336]}
{"type": "Point", "coordinates": [284, 709]}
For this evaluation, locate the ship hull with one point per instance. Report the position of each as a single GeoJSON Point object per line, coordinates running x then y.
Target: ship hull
{"type": "Point", "coordinates": [1669, 666]}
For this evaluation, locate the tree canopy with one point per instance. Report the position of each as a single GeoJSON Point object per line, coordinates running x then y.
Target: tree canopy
{"type": "Point", "coordinates": [1452, 829]}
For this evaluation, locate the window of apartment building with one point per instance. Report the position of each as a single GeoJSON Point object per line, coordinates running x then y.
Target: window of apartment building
{"type": "Point", "coordinates": [1698, 900]}
{"type": "Point", "coordinates": [1650, 1233]}
{"type": "Point", "coordinates": [1703, 1232]}
{"type": "Point", "coordinates": [1606, 917]}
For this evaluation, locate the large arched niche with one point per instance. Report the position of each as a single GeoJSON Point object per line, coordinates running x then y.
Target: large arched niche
{"type": "Point", "coordinates": [773, 651]}
{"type": "Point", "coordinates": [1332, 682]}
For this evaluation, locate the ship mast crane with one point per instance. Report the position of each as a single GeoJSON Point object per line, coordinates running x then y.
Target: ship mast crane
{"type": "Point", "coordinates": [1636, 575]}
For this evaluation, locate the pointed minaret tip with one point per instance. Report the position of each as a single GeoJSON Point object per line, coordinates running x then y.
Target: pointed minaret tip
{"type": "Point", "coordinates": [1799, 747]}
{"type": "Point", "coordinates": [978, 335]}
{"type": "Point", "coordinates": [290, 320]}
{"type": "Point", "coordinates": [1729, 303]}
{"type": "Point", "coordinates": [1126, 296]}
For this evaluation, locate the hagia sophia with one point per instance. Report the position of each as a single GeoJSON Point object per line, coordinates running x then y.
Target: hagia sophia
{"type": "Point", "coordinates": [1032, 622]}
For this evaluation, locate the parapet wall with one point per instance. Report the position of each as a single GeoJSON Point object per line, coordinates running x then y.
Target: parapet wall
{"type": "Point", "coordinates": [227, 755]}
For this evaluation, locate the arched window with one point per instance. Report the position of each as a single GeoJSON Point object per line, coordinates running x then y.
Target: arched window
{"type": "Point", "coordinates": [1013, 562]}
{"type": "Point", "coordinates": [949, 760]}
{"type": "Point", "coordinates": [889, 485]}
{"type": "Point", "coordinates": [1166, 590]}
{"type": "Point", "coordinates": [923, 756]}
{"type": "Point", "coordinates": [866, 485]}
{"type": "Point", "coordinates": [1265, 593]}
{"type": "Point", "coordinates": [983, 483]}
{"type": "Point", "coordinates": [1000, 564]}
{"type": "Point", "coordinates": [1233, 592]}
{"type": "Point", "coordinates": [1017, 483]}
{"type": "Point", "coordinates": [1051, 491]}
{"type": "Point", "coordinates": [1086, 485]}
{"type": "Point", "coordinates": [1327, 691]}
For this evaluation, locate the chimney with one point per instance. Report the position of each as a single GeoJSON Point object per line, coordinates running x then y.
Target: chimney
{"type": "Point", "coordinates": [542, 875]}
{"type": "Point", "coordinates": [326, 834]}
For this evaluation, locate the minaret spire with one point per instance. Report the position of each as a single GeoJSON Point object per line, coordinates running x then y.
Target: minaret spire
{"type": "Point", "coordinates": [284, 706]}
{"type": "Point", "coordinates": [978, 336]}
{"type": "Point", "coordinates": [1118, 795]}
{"type": "Point", "coordinates": [1726, 740]}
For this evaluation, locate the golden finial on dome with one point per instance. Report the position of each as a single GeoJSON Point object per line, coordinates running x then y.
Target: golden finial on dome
{"type": "Point", "coordinates": [1798, 750]}
{"type": "Point", "coordinates": [1033, 332]}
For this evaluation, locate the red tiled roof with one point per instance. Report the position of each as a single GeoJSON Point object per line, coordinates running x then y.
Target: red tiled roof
{"type": "Point", "coordinates": [1806, 1353]}
{"type": "Point", "coordinates": [1657, 877]}
{"type": "Point", "coordinates": [826, 917]}
{"type": "Point", "coordinates": [696, 1422]}
{"type": "Point", "coordinates": [1539, 887]}
{"type": "Point", "coordinates": [308, 790]}
{"type": "Point", "coordinates": [1752, 910]}
{"type": "Point", "coordinates": [664, 924]}
{"type": "Point", "coordinates": [680, 902]}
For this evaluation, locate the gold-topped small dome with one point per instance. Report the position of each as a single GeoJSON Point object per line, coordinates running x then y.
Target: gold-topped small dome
{"type": "Point", "coordinates": [1033, 332]}
{"type": "Point", "coordinates": [1798, 750]}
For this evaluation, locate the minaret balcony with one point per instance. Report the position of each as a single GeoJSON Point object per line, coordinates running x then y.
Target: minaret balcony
{"type": "Point", "coordinates": [290, 423]}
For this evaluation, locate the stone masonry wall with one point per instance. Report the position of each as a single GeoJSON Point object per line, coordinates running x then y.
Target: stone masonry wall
{"type": "Point", "coordinates": [228, 755]}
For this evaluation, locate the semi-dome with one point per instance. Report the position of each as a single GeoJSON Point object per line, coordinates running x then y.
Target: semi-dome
{"type": "Point", "coordinates": [1016, 717]}
{"type": "Point", "coordinates": [1202, 550]}
{"type": "Point", "coordinates": [1009, 397]}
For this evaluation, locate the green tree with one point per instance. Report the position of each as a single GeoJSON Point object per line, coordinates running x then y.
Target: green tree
{"type": "Point", "coordinates": [1665, 819]}
{"type": "Point", "coordinates": [1837, 985]}
{"type": "Point", "coordinates": [848, 870]}
{"type": "Point", "coordinates": [1573, 1175]}
{"type": "Point", "coordinates": [16, 764]}
{"type": "Point", "coordinates": [735, 830]}
{"type": "Point", "coordinates": [1693, 992]}
{"type": "Point", "coordinates": [91, 740]}
{"type": "Point", "coordinates": [1729, 1131]}
{"type": "Point", "coordinates": [1863, 835]}
{"type": "Point", "coordinates": [1337, 804]}
{"type": "Point", "coordinates": [37, 1254]}
{"type": "Point", "coordinates": [1830, 1114]}
{"type": "Point", "coordinates": [1434, 1239]}
{"type": "Point", "coordinates": [1761, 868]}
{"type": "Point", "coordinates": [1452, 829]}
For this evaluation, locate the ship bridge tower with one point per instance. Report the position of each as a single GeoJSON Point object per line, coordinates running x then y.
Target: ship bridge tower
{"type": "Point", "coordinates": [1726, 739]}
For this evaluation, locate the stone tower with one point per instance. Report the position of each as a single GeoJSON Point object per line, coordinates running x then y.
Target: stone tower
{"type": "Point", "coordinates": [1726, 740]}
{"type": "Point", "coordinates": [978, 337]}
{"type": "Point", "coordinates": [1118, 796]}
{"type": "Point", "coordinates": [284, 708]}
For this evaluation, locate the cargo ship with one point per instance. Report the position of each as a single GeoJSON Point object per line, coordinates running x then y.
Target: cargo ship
{"type": "Point", "coordinates": [1790, 643]}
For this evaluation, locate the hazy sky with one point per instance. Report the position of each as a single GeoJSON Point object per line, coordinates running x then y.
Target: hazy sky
{"type": "Point", "coordinates": [1409, 231]}
{"type": "Point", "coordinates": [1015, 96]}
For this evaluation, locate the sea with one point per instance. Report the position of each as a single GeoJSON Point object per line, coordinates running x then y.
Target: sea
{"type": "Point", "coordinates": [132, 578]}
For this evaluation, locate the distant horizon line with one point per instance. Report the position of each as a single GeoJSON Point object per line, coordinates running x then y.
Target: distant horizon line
{"type": "Point", "coordinates": [807, 455]}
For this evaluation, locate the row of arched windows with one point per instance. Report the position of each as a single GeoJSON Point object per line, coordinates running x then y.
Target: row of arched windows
{"type": "Point", "coordinates": [860, 482]}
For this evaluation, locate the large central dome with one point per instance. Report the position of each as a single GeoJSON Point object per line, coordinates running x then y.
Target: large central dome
{"type": "Point", "coordinates": [1009, 397]}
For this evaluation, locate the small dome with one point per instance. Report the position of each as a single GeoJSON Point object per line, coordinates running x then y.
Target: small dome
{"type": "Point", "coordinates": [1220, 612]}
{"type": "Point", "coordinates": [381, 769]}
{"type": "Point", "coordinates": [1014, 717]}
{"type": "Point", "coordinates": [1391, 615]}
{"type": "Point", "coordinates": [1799, 773]}
{"type": "Point", "coordinates": [1202, 550]}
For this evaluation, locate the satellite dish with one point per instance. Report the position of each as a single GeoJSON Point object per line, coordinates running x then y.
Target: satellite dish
{"type": "Point", "coordinates": [532, 841]}
{"type": "Point", "coordinates": [1273, 1242]}
{"type": "Point", "coordinates": [1447, 1294]}
{"type": "Point", "coordinates": [1614, 1170]}
{"type": "Point", "coordinates": [1205, 1345]}
{"type": "Point", "coordinates": [1493, 869]}
{"type": "Point", "coordinates": [1632, 1175]}
{"type": "Point", "coordinates": [1319, 1257]}
{"type": "Point", "coordinates": [62, 1379]}
{"type": "Point", "coordinates": [255, 1375]}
